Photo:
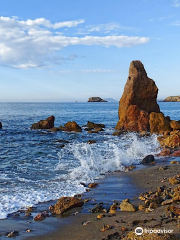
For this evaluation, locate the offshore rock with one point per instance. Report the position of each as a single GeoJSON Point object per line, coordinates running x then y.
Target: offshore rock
{"type": "Point", "coordinates": [159, 123]}
{"type": "Point", "coordinates": [96, 99]}
{"type": "Point", "coordinates": [172, 99]}
{"type": "Point", "coordinates": [44, 124]}
{"type": "Point", "coordinates": [0, 125]}
{"type": "Point", "coordinates": [64, 204]}
{"type": "Point", "coordinates": [95, 125]}
{"type": "Point", "coordinates": [141, 92]}
{"type": "Point", "coordinates": [73, 126]}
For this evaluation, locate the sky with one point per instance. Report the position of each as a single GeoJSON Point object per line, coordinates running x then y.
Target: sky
{"type": "Point", "coordinates": [70, 50]}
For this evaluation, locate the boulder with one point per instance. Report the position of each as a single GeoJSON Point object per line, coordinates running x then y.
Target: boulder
{"type": "Point", "coordinates": [96, 99]}
{"type": "Point", "coordinates": [64, 204]}
{"type": "Point", "coordinates": [73, 126]}
{"type": "Point", "coordinates": [159, 123]}
{"type": "Point", "coordinates": [170, 141]}
{"type": "Point", "coordinates": [141, 92]}
{"type": "Point", "coordinates": [127, 206]}
{"type": "Point", "coordinates": [0, 125]}
{"type": "Point", "coordinates": [175, 125]}
{"type": "Point", "coordinates": [92, 125]}
{"type": "Point", "coordinates": [44, 124]}
{"type": "Point", "coordinates": [149, 159]}
{"type": "Point", "coordinates": [176, 153]}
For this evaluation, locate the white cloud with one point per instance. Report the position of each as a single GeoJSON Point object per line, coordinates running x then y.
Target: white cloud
{"type": "Point", "coordinates": [176, 3]}
{"type": "Point", "coordinates": [33, 43]}
{"type": "Point", "coordinates": [176, 23]}
{"type": "Point", "coordinates": [112, 27]}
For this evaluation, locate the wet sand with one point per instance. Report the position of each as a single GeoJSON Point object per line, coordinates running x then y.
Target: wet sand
{"type": "Point", "coordinates": [114, 188]}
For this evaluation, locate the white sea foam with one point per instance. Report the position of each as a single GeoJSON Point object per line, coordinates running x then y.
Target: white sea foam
{"type": "Point", "coordinates": [100, 158]}
{"type": "Point", "coordinates": [78, 162]}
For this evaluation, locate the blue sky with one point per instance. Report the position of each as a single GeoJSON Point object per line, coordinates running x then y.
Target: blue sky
{"type": "Point", "coordinates": [72, 50]}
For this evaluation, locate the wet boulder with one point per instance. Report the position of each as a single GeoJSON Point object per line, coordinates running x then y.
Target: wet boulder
{"type": "Point", "coordinates": [149, 159]}
{"type": "Point", "coordinates": [93, 125]}
{"type": "Point", "coordinates": [44, 124]}
{"type": "Point", "coordinates": [64, 204]}
{"type": "Point", "coordinates": [170, 141]}
{"type": "Point", "coordinates": [73, 126]}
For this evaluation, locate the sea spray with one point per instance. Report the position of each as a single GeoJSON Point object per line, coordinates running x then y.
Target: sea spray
{"type": "Point", "coordinates": [93, 160]}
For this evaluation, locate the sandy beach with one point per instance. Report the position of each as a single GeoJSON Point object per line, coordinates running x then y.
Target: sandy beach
{"type": "Point", "coordinates": [115, 188]}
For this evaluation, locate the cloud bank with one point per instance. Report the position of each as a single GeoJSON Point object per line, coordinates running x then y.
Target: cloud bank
{"type": "Point", "coordinates": [35, 44]}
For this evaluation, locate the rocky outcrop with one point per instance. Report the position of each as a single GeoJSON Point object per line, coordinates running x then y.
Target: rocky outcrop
{"type": "Point", "coordinates": [96, 99]}
{"type": "Point", "coordinates": [44, 124]}
{"type": "Point", "coordinates": [64, 204]}
{"type": "Point", "coordinates": [170, 141]}
{"type": "Point", "coordinates": [172, 99]}
{"type": "Point", "coordinates": [71, 126]}
{"type": "Point", "coordinates": [138, 100]}
{"type": "Point", "coordinates": [159, 123]}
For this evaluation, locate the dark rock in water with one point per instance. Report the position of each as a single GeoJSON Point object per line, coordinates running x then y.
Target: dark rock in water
{"type": "Point", "coordinates": [13, 234]}
{"type": "Point", "coordinates": [96, 99]}
{"type": "Point", "coordinates": [91, 141]}
{"type": "Point", "coordinates": [0, 125]}
{"type": "Point", "coordinates": [65, 203]}
{"type": "Point", "coordinates": [138, 100]}
{"type": "Point", "coordinates": [95, 125]}
{"type": "Point", "coordinates": [99, 208]}
{"type": "Point", "coordinates": [41, 216]}
{"type": "Point", "coordinates": [148, 159]}
{"type": "Point", "coordinates": [44, 124]}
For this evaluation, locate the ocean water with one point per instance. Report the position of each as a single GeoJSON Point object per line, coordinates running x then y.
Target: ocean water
{"type": "Point", "coordinates": [34, 167]}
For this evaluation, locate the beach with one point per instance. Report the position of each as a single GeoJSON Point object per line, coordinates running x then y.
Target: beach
{"type": "Point", "coordinates": [118, 185]}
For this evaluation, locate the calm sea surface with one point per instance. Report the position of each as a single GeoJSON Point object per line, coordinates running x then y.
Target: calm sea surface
{"type": "Point", "coordinates": [34, 167]}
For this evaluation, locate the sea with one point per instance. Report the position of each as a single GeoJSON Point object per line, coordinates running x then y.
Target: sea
{"type": "Point", "coordinates": [37, 166]}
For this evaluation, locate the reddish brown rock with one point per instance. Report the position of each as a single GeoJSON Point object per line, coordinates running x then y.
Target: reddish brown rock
{"type": "Point", "coordinates": [93, 185]}
{"type": "Point", "coordinates": [41, 216]}
{"type": "Point", "coordinates": [65, 203]}
{"type": "Point", "coordinates": [159, 123]}
{"type": "Point", "coordinates": [171, 141]}
{"type": "Point", "coordinates": [165, 152]}
{"type": "Point", "coordinates": [176, 154]}
{"type": "Point", "coordinates": [73, 126]}
{"type": "Point", "coordinates": [140, 91]}
{"type": "Point", "coordinates": [44, 124]}
{"type": "Point", "coordinates": [136, 119]}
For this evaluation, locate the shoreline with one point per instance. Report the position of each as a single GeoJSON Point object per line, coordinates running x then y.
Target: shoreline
{"type": "Point", "coordinates": [115, 187]}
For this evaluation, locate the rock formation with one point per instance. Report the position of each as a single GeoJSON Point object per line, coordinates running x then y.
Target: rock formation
{"type": "Point", "coordinates": [138, 100]}
{"type": "Point", "coordinates": [96, 99]}
{"type": "Point", "coordinates": [64, 204]}
{"type": "Point", "coordinates": [44, 124]}
{"type": "Point", "coordinates": [172, 99]}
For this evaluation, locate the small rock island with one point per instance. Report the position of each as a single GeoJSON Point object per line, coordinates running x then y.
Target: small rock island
{"type": "Point", "coordinates": [96, 99]}
{"type": "Point", "coordinates": [172, 99]}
